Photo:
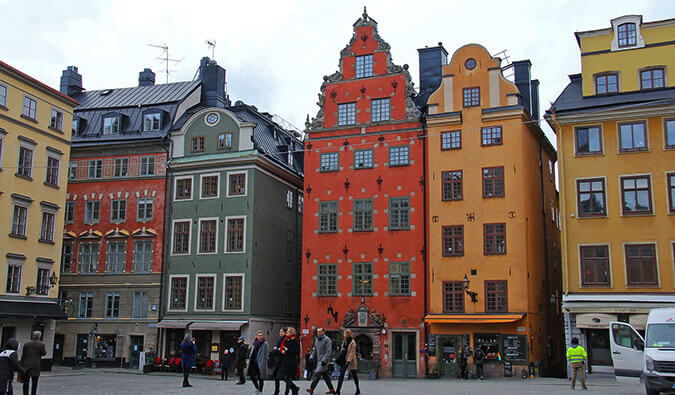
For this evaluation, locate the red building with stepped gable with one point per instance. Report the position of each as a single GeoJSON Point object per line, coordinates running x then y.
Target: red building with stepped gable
{"type": "Point", "coordinates": [363, 242]}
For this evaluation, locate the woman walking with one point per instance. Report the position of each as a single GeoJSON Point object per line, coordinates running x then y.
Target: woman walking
{"type": "Point", "coordinates": [275, 357]}
{"type": "Point", "coordinates": [257, 366]}
{"type": "Point", "coordinates": [347, 361]}
{"type": "Point", "coordinates": [189, 348]}
{"type": "Point", "coordinates": [290, 350]}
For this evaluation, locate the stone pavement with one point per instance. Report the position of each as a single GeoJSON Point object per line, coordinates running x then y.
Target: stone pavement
{"type": "Point", "coordinates": [65, 381]}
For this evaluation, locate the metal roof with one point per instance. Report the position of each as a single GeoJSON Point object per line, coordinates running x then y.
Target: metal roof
{"type": "Point", "coordinates": [136, 96]}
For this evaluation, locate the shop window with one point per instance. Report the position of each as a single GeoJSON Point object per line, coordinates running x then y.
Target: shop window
{"type": "Point", "coordinates": [328, 217]}
{"type": "Point", "coordinates": [399, 213]}
{"type": "Point", "coordinates": [327, 279]}
{"type": "Point", "coordinates": [489, 343]}
{"type": "Point", "coordinates": [453, 297]}
{"type": "Point", "coordinates": [105, 346]}
{"type": "Point", "coordinates": [452, 185]}
{"type": "Point", "coordinates": [591, 197]}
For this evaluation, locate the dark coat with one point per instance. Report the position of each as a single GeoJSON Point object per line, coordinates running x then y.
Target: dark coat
{"type": "Point", "coordinates": [275, 354]}
{"type": "Point", "coordinates": [9, 361]}
{"type": "Point", "coordinates": [290, 360]}
{"type": "Point", "coordinates": [225, 361]}
{"type": "Point", "coordinates": [478, 356]}
{"type": "Point", "coordinates": [188, 357]}
{"type": "Point", "coordinates": [261, 358]}
{"type": "Point", "coordinates": [31, 356]}
{"type": "Point", "coordinates": [242, 355]}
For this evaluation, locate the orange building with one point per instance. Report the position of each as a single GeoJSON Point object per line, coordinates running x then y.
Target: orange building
{"type": "Point", "coordinates": [493, 236]}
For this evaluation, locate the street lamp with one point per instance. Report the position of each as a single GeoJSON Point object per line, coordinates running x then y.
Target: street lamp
{"type": "Point", "coordinates": [472, 295]}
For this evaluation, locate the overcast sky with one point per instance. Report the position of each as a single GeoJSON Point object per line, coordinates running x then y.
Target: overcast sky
{"type": "Point", "coordinates": [277, 52]}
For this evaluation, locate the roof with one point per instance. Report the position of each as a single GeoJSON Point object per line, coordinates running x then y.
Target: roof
{"type": "Point", "coordinates": [39, 84]}
{"type": "Point", "coordinates": [136, 96]}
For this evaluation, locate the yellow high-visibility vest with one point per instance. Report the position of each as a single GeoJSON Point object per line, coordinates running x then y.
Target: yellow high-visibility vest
{"type": "Point", "coordinates": [576, 354]}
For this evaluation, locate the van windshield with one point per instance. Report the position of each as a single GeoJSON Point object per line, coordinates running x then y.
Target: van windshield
{"type": "Point", "coordinates": [661, 336]}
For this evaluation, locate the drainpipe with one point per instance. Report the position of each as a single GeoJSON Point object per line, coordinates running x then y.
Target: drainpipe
{"type": "Point", "coordinates": [167, 200]}
{"type": "Point", "coordinates": [546, 262]}
{"type": "Point", "coordinates": [423, 121]}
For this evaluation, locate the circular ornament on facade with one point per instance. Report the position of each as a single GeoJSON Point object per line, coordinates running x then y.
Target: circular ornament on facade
{"type": "Point", "coordinates": [212, 118]}
{"type": "Point", "coordinates": [470, 64]}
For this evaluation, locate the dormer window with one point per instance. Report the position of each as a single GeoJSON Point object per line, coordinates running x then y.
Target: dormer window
{"type": "Point", "coordinates": [627, 35]}
{"type": "Point", "coordinates": [198, 144]}
{"type": "Point", "coordinates": [111, 124]}
{"type": "Point", "coordinates": [606, 83]}
{"type": "Point", "coordinates": [152, 122]}
{"type": "Point", "coordinates": [76, 125]}
{"type": "Point", "coordinates": [364, 66]}
{"type": "Point", "coordinates": [225, 141]}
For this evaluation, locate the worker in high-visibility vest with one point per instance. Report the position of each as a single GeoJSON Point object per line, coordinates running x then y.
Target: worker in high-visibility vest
{"type": "Point", "coordinates": [577, 356]}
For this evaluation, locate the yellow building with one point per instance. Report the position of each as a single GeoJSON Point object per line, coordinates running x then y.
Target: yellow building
{"type": "Point", "coordinates": [35, 125]}
{"type": "Point", "coordinates": [615, 126]}
{"type": "Point", "coordinates": [492, 218]}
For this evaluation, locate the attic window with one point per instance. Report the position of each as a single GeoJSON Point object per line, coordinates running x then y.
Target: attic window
{"type": "Point", "coordinates": [152, 122]}
{"type": "Point", "coordinates": [627, 35]}
{"type": "Point", "coordinates": [106, 92]}
{"type": "Point", "coordinates": [111, 125]}
{"type": "Point", "coordinates": [364, 66]}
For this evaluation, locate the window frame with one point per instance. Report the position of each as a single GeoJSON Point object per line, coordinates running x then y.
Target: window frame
{"type": "Point", "coordinates": [120, 167]}
{"type": "Point", "coordinates": [226, 141]}
{"type": "Point", "coordinates": [30, 106]}
{"type": "Point", "coordinates": [450, 236]}
{"type": "Point", "coordinates": [52, 171]}
{"type": "Point", "coordinates": [635, 177]}
{"type": "Point", "coordinates": [494, 235]}
{"type": "Point", "coordinates": [365, 68]}
{"type": "Point", "coordinates": [493, 182]}
{"type": "Point", "coordinates": [174, 233]}
{"type": "Point", "coordinates": [182, 197]}
{"type": "Point", "coordinates": [201, 186]}
{"type": "Point", "coordinates": [242, 293]}
{"type": "Point", "coordinates": [197, 295]}
{"type": "Point", "coordinates": [186, 290]}
{"type": "Point", "coordinates": [230, 174]}
{"type": "Point", "coordinates": [598, 84]}
{"type": "Point", "coordinates": [399, 149]}
{"type": "Point", "coordinates": [47, 226]}
{"type": "Point", "coordinates": [580, 213]}
{"type": "Point", "coordinates": [471, 97]}
{"type": "Point", "coordinates": [626, 33]}
{"type": "Point", "coordinates": [89, 212]}
{"type": "Point", "coordinates": [88, 299]}
{"type": "Point", "coordinates": [382, 108]}
{"type": "Point", "coordinates": [72, 170]}
{"type": "Point", "coordinates": [330, 279]}
{"type": "Point", "coordinates": [112, 305]}
{"type": "Point", "coordinates": [632, 124]}
{"type": "Point", "coordinates": [3, 96]}
{"type": "Point", "coordinates": [505, 292]}
{"type": "Point", "coordinates": [94, 257]}
{"type": "Point", "coordinates": [118, 211]}
{"type": "Point", "coordinates": [25, 160]}
{"type": "Point", "coordinates": [69, 209]}
{"type": "Point", "coordinates": [152, 115]}
{"type": "Point", "coordinates": [453, 136]}
{"type": "Point", "coordinates": [670, 190]}
{"type": "Point", "coordinates": [147, 169]}
{"type": "Point", "coordinates": [138, 266]}
{"type": "Point", "coordinates": [491, 135]}
{"type": "Point", "coordinates": [289, 199]}
{"type": "Point", "coordinates": [42, 284]}
{"type": "Point", "coordinates": [402, 275]}
{"type": "Point", "coordinates": [368, 159]}
{"type": "Point", "coordinates": [67, 257]}
{"type": "Point", "coordinates": [56, 120]}
{"type": "Point", "coordinates": [142, 204]}
{"type": "Point", "coordinates": [449, 185]}
{"type": "Point", "coordinates": [114, 127]}
{"type": "Point", "coordinates": [365, 277]}
{"type": "Point", "coordinates": [346, 114]}
{"type": "Point", "coordinates": [651, 70]}
{"type": "Point", "coordinates": [214, 232]}
{"type": "Point", "coordinates": [115, 256]}
{"type": "Point", "coordinates": [655, 265]}
{"type": "Point", "coordinates": [329, 161]}
{"type": "Point", "coordinates": [455, 289]}
{"type": "Point", "coordinates": [593, 260]}
{"type": "Point", "coordinates": [227, 249]}
{"type": "Point", "coordinates": [139, 309]}
{"type": "Point", "coordinates": [97, 169]}
{"type": "Point", "coordinates": [198, 143]}
{"type": "Point", "coordinates": [588, 128]}
{"type": "Point", "coordinates": [11, 287]}
{"type": "Point", "coordinates": [667, 132]}
{"type": "Point", "coordinates": [19, 226]}
{"type": "Point", "coordinates": [363, 216]}
{"type": "Point", "coordinates": [399, 213]}
{"type": "Point", "coordinates": [329, 213]}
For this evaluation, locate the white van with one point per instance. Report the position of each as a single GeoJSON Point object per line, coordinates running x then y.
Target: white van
{"type": "Point", "coordinates": [652, 361]}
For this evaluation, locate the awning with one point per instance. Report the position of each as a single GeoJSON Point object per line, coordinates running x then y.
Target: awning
{"type": "Point", "coordinates": [32, 309]}
{"type": "Point", "coordinates": [201, 325]}
{"type": "Point", "coordinates": [472, 318]}
{"type": "Point", "coordinates": [595, 321]}
{"type": "Point", "coordinates": [176, 324]}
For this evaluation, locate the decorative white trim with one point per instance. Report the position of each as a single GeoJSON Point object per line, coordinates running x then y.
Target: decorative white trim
{"type": "Point", "coordinates": [243, 290]}
{"type": "Point", "coordinates": [199, 235]}
{"type": "Point", "coordinates": [639, 40]}
{"type": "Point", "coordinates": [175, 190]}
{"type": "Point", "coordinates": [201, 185]}
{"type": "Point", "coordinates": [173, 228]}
{"type": "Point", "coordinates": [227, 190]}
{"type": "Point", "coordinates": [187, 291]}
{"type": "Point", "coordinates": [227, 224]}
{"type": "Point", "coordinates": [213, 294]}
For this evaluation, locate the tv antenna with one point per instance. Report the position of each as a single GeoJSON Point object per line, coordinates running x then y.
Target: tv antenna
{"type": "Point", "coordinates": [165, 58]}
{"type": "Point", "coordinates": [212, 47]}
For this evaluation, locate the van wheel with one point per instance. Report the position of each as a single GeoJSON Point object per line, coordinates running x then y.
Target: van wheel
{"type": "Point", "coordinates": [650, 391]}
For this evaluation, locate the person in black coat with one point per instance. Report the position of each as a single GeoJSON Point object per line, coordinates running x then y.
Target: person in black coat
{"type": "Point", "coordinates": [188, 349]}
{"type": "Point", "coordinates": [275, 360]}
{"type": "Point", "coordinates": [242, 355]}
{"type": "Point", "coordinates": [9, 363]}
{"type": "Point", "coordinates": [478, 358]}
{"type": "Point", "coordinates": [290, 351]}
{"type": "Point", "coordinates": [225, 362]}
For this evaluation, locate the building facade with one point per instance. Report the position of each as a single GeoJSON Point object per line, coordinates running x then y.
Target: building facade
{"type": "Point", "coordinates": [35, 121]}
{"type": "Point", "coordinates": [493, 236]}
{"type": "Point", "coordinates": [615, 126]}
{"type": "Point", "coordinates": [364, 225]}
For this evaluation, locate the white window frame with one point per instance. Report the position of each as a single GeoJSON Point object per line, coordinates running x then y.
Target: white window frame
{"type": "Point", "coordinates": [227, 225]}
{"type": "Point", "coordinates": [227, 191]}
{"type": "Point", "coordinates": [23, 108]}
{"type": "Point", "coordinates": [119, 125]}
{"type": "Point", "coordinates": [243, 291]}
{"type": "Point", "coordinates": [55, 114]}
{"type": "Point", "coordinates": [89, 163]}
{"type": "Point", "coordinates": [214, 276]}
{"type": "Point", "coordinates": [187, 292]}
{"type": "Point", "coordinates": [145, 201]}
{"type": "Point", "coordinates": [199, 239]}
{"type": "Point", "coordinates": [175, 188]}
{"type": "Point", "coordinates": [57, 158]}
{"type": "Point", "coordinates": [14, 262]}
{"type": "Point", "coordinates": [151, 116]}
{"type": "Point", "coordinates": [3, 102]}
{"type": "Point", "coordinates": [72, 170]}
{"type": "Point", "coordinates": [147, 166]}
{"type": "Point", "coordinates": [121, 161]}
{"type": "Point", "coordinates": [173, 229]}
{"type": "Point", "coordinates": [201, 179]}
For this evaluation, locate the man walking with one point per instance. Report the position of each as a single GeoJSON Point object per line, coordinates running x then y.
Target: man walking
{"type": "Point", "coordinates": [242, 355]}
{"type": "Point", "coordinates": [478, 359]}
{"type": "Point", "coordinates": [31, 357]}
{"type": "Point", "coordinates": [321, 354]}
{"type": "Point", "coordinates": [577, 356]}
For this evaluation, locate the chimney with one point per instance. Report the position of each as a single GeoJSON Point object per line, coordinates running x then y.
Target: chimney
{"type": "Point", "coordinates": [521, 72]}
{"type": "Point", "coordinates": [146, 78]}
{"type": "Point", "coordinates": [71, 81]}
{"type": "Point", "coordinates": [213, 83]}
{"type": "Point", "coordinates": [535, 100]}
{"type": "Point", "coordinates": [431, 61]}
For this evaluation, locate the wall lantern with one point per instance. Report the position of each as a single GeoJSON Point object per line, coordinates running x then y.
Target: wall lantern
{"type": "Point", "coordinates": [472, 295]}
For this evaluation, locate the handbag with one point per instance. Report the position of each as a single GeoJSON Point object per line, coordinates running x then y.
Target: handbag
{"type": "Point", "coordinates": [340, 360]}
{"type": "Point", "coordinates": [19, 377]}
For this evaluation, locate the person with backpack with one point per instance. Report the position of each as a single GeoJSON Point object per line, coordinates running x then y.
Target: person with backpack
{"type": "Point", "coordinates": [9, 363]}
{"type": "Point", "coordinates": [478, 359]}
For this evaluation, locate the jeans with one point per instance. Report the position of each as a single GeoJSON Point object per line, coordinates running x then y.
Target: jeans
{"type": "Point", "coordinates": [34, 380]}
{"type": "Point", "coordinates": [318, 376]}
{"type": "Point", "coordinates": [352, 373]}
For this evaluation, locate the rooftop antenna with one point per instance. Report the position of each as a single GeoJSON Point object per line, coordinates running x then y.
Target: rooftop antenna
{"type": "Point", "coordinates": [165, 58]}
{"type": "Point", "coordinates": [212, 47]}
{"type": "Point", "coordinates": [507, 68]}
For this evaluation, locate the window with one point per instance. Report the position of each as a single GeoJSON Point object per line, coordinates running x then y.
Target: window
{"type": "Point", "coordinates": [399, 278]}
{"type": "Point", "coordinates": [652, 78]}
{"type": "Point", "coordinates": [183, 188]}
{"type": "Point", "coordinates": [453, 240]}
{"type": "Point", "coordinates": [13, 279]}
{"type": "Point", "coordinates": [329, 161]}
{"type": "Point", "coordinates": [363, 159]}
{"type": "Point", "coordinates": [491, 136]}
{"type": "Point", "coordinates": [147, 166]}
{"type": "Point", "coordinates": [198, 143]}
{"type": "Point", "coordinates": [75, 126]}
{"type": "Point", "coordinates": [641, 264]}
{"type": "Point", "coordinates": [494, 239]}
{"type": "Point", "coordinates": [471, 97]}
{"type": "Point", "coordinates": [627, 35]}
{"type": "Point", "coordinates": [346, 114]}
{"type": "Point", "coordinates": [362, 279]}
{"type": "Point", "coordinates": [72, 170]}
{"type": "Point", "coordinates": [606, 83]}
{"type": "Point", "coordinates": [669, 130]}
{"type": "Point", "coordinates": [112, 305]}
{"type": "Point", "coordinates": [143, 256]}
{"type": "Point", "coordinates": [452, 185]}
{"type": "Point", "coordinates": [92, 210]}
{"type": "Point", "coordinates": [2, 140]}
{"type": "Point", "coordinates": [209, 186]}
{"type": "Point", "coordinates": [671, 192]}
{"type": "Point", "coordinates": [588, 140]}
{"type": "Point", "coordinates": [290, 246]}
{"type": "Point", "coordinates": [207, 236]}
{"type": "Point", "coordinates": [327, 279]}
{"type": "Point", "coordinates": [301, 203]}
{"type": "Point", "coordinates": [551, 170]}
{"type": "Point", "coordinates": [42, 283]}
{"type": "Point", "coordinates": [121, 168]}
{"type": "Point", "coordinates": [363, 215]}
{"type": "Point", "coordinates": [399, 213]}
{"type": "Point", "coordinates": [632, 137]}
{"type": "Point", "coordinates": [636, 195]}
{"type": "Point", "coordinates": [594, 265]}
{"type": "Point", "coordinates": [493, 182]}
{"type": "Point", "coordinates": [237, 184]}
{"type": "Point", "coordinates": [89, 257]}
{"type": "Point", "coordinates": [379, 109]}
{"type": "Point", "coordinates": [225, 141]}
{"type": "Point", "coordinates": [19, 221]}
{"type": "Point", "coordinates": [3, 96]}
{"type": "Point", "coordinates": [178, 293]}
{"type": "Point", "coordinates": [86, 305]}
{"type": "Point", "coordinates": [47, 228]}
{"type": "Point", "coordinates": [181, 237]}
{"type": "Point", "coordinates": [289, 199]}
{"type": "Point", "coordinates": [234, 286]}
{"type": "Point", "coordinates": [398, 156]}
{"type": "Point", "coordinates": [29, 108]}
{"type": "Point", "coordinates": [52, 175]}
{"type": "Point", "coordinates": [328, 217]}
{"type": "Point", "coordinates": [95, 168]}
{"type": "Point", "coordinates": [235, 234]}
{"type": "Point", "coordinates": [56, 120]}
{"type": "Point", "coordinates": [144, 209]}
{"type": "Point", "coordinates": [451, 140]}
{"type": "Point", "coordinates": [364, 66]}
{"type": "Point", "coordinates": [67, 257]}
{"type": "Point", "coordinates": [25, 167]}
{"type": "Point", "coordinates": [453, 297]}
{"type": "Point", "coordinates": [591, 197]}
{"type": "Point", "coordinates": [111, 125]}
{"type": "Point", "coordinates": [116, 256]}
{"type": "Point", "coordinates": [205, 287]}
{"type": "Point", "coordinates": [139, 306]}
{"type": "Point", "coordinates": [495, 297]}
{"type": "Point", "coordinates": [118, 210]}
{"type": "Point", "coordinates": [151, 122]}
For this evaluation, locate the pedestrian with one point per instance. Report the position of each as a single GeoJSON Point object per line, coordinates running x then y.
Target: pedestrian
{"type": "Point", "coordinates": [275, 359]}
{"type": "Point", "coordinates": [257, 366]}
{"type": "Point", "coordinates": [461, 358]}
{"type": "Point", "coordinates": [9, 363]}
{"type": "Point", "coordinates": [577, 356]}
{"type": "Point", "coordinates": [225, 362]}
{"type": "Point", "coordinates": [31, 358]}
{"type": "Point", "coordinates": [478, 359]}
{"type": "Point", "coordinates": [310, 364]}
{"type": "Point", "coordinates": [321, 354]}
{"type": "Point", "coordinates": [290, 351]}
{"type": "Point", "coordinates": [242, 354]}
{"type": "Point", "coordinates": [187, 360]}
{"type": "Point", "coordinates": [347, 361]}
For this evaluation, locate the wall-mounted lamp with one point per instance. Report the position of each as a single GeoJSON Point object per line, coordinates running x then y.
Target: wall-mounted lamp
{"type": "Point", "coordinates": [345, 251]}
{"type": "Point", "coordinates": [394, 85]}
{"type": "Point", "coordinates": [308, 255]}
{"type": "Point", "coordinates": [380, 250]}
{"type": "Point", "coordinates": [379, 182]}
{"type": "Point", "coordinates": [306, 319]}
{"type": "Point", "coordinates": [472, 295]}
{"type": "Point", "coordinates": [43, 289]}
{"type": "Point", "coordinates": [333, 95]}
{"type": "Point", "coordinates": [308, 190]}
{"type": "Point", "coordinates": [347, 183]}
{"type": "Point", "coordinates": [363, 89]}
